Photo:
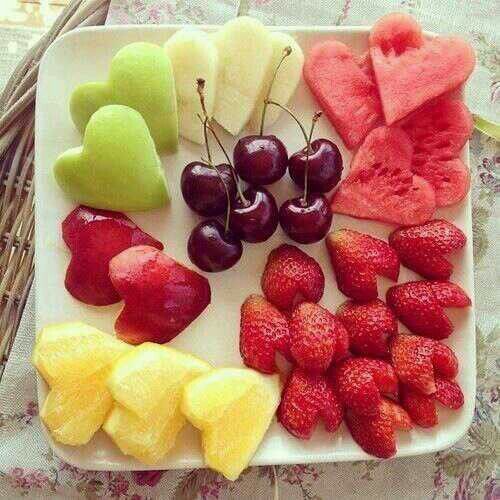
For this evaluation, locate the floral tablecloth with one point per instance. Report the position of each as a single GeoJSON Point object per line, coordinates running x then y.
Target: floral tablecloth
{"type": "Point", "coordinates": [469, 470]}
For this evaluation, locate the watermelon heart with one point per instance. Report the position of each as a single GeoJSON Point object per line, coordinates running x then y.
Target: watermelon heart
{"type": "Point", "coordinates": [117, 168]}
{"type": "Point", "coordinates": [439, 131]}
{"type": "Point", "coordinates": [380, 184]}
{"type": "Point", "coordinates": [344, 87]}
{"type": "Point", "coordinates": [409, 69]}
{"type": "Point", "coordinates": [142, 78]}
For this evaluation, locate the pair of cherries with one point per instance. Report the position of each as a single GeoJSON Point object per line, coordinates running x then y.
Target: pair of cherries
{"type": "Point", "coordinates": [253, 215]}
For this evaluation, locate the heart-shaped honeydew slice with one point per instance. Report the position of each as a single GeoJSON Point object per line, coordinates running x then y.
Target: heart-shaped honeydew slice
{"type": "Point", "coordinates": [117, 168]}
{"type": "Point", "coordinates": [140, 77]}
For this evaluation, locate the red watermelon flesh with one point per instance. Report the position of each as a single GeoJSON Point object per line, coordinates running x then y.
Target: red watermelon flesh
{"type": "Point", "coordinates": [381, 185]}
{"type": "Point", "coordinates": [439, 131]}
{"type": "Point", "coordinates": [411, 70]}
{"type": "Point", "coordinates": [344, 89]}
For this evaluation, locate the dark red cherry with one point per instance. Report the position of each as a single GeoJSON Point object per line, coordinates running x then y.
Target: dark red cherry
{"type": "Point", "coordinates": [325, 166]}
{"type": "Point", "coordinates": [306, 221]}
{"type": "Point", "coordinates": [260, 159]}
{"type": "Point", "coordinates": [212, 248]}
{"type": "Point", "coordinates": [203, 190]}
{"type": "Point", "coordinates": [254, 218]}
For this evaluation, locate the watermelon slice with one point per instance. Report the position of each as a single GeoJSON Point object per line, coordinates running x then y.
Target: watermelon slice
{"type": "Point", "coordinates": [344, 87]}
{"type": "Point", "coordinates": [439, 131]}
{"type": "Point", "coordinates": [380, 184]}
{"type": "Point", "coordinates": [411, 70]}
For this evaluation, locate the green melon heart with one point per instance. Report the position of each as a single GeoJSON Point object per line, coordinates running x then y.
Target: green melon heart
{"type": "Point", "coordinates": [140, 77]}
{"type": "Point", "coordinates": [117, 168]}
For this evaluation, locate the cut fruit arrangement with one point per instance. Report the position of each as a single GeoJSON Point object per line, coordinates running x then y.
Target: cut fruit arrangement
{"type": "Point", "coordinates": [396, 108]}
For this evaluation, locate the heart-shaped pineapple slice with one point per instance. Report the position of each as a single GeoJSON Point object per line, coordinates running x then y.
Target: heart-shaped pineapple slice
{"type": "Point", "coordinates": [147, 386]}
{"type": "Point", "coordinates": [233, 408]}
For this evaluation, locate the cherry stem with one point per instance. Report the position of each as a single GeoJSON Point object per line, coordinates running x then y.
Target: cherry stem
{"type": "Point", "coordinates": [284, 108]}
{"type": "Point", "coordinates": [315, 118]}
{"type": "Point", "coordinates": [200, 88]}
{"type": "Point", "coordinates": [286, 52]}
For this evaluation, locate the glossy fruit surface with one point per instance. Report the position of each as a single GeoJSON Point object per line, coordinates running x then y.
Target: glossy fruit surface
{"type": "Point", "coordinates": [306, 222]}
{"type": "Point", "coordinates": [325, 166]}
{"type": "Point", "coordinates": [213, 249]}
{"type": "Point", "coordinates": [256, 221]}
{"type": "Point", "coordinates": [260, 159]}
{"type": "Point", "coordinates": [203, 189]}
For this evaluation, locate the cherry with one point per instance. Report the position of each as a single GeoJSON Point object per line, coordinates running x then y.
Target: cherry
{"type": "Point", "coordinates": [262, 159]}
{"type": "Point", "coordinates": [306, 222]}
{"type": "Point", "coordinates": [203, 187]}
{"type": "Point", "coordinates": [325, 166]}
{"type": "Point", "coordinates": [212, 248]}
{"type": "Point", "coordinates": [254, 218]}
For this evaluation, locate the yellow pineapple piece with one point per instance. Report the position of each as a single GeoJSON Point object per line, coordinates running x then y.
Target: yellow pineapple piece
{"type": "Point", "coordinates": [74, 351]}
{"type": "Point", "coordinates": [233, 407]}
{"type": "Point", "coordinates": [147, 386]}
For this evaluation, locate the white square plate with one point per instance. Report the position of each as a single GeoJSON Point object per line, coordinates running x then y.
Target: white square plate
{"type": "Point", "coordinates": [84, 55]}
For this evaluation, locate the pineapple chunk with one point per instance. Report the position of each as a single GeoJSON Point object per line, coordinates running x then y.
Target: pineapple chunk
{"type": "Point", "coordinates": [233, 407]}
{"type": "Point", "coordinates": [147, 386]}
{"type": "Point", "coordinates": [70, 352]}
{"type": "Point", "coordinates": [245, 52]}
{"type": "Point", "coordinates": [286, 81]}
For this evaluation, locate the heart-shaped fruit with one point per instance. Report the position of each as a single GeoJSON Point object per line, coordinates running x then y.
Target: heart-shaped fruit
{"type": "Point", "coordinates": [75, 359]}
{"type": "Point", "coordinates": [344, 87]}
{"type": "Point", "coordinates": [147, 386]}
{"type": "Point", "coordinates": [419, 305]}
{"type": "Point", "coordinates": [410, 70]}
{"type": "Point", "coordinates": [438, 131]}
{"type": "Point", "coordinates": [193, 55]}
{"type": "Point", "coordinates": [233, 408]}
{"type": "Point", "coordinates": [162, 297]}
{"type": "Point", "coordinates": [381, 185]}
{"type": "Point", "coordinates": [357, 259]}
{"type": "Point", "coordinates": [117, 168]}
{"type": "Point", "coordinates": [140, 77]}
{"type": "Point", "coordinates": [94, 238]}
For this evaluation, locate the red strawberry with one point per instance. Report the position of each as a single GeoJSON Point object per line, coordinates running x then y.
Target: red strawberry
{"type": "Point", "coordinates": [306, 399]}
{"type": "Point", "coordinates": [417, 360]}
{"type": "Point", "coordinates": [291, 276]}
{"type": "Point", "coordinates": [317, 337]}
{"type": "Point", "coordinates": [359, 383]}
{"type": "Point", "coordinates": [370, 326]}
{"type": "Point", "coordinates": [376, 433]}
{"type": "Point", "coordinates": [422, 407]}
{"type": "Point", "coordinates": [263, 331]}
{"type": "Point", "coordinates": [357, 259]}
{"type": "Point", "coordinates": [419, 306]}
{"type": "Point", "coordinates": [422, 248]}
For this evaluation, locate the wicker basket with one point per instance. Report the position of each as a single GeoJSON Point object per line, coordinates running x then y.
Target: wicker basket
{"type": "Point", "coordinates": [17, 107]}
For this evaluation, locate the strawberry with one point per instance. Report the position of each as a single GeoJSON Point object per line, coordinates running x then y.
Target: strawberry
{"type": "Point", "coordinates": [376, 433]}
{"type": "Point", "coordinates": [291, 276]}
{"type": "Point", "coordinates": [422, 407]}
{"type": "Point", "coordinates": [419, 306]}
{"type": "Point", "coordinates": [370, 326]}
{"type": "Point", "coordinates": [359, 383]}
{"type": "Point", "coordinates": [263, 332]}
{"type": "Point", "coordinates": [306, 399]}
{"type": "Point", "coordinates": [422, 248]}
{"type": "Point", "coordinates": [417, 361]}
{"type": "Point", "coordinates": [357, 259]}
{"type": "Point", "coordinates": [317, 337]}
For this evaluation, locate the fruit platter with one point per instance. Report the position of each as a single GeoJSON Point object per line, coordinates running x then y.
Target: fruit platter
{"type": "Point", "coordinates": [253, 245]}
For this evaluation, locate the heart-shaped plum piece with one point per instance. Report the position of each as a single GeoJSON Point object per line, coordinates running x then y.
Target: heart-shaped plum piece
{"type": "Point", "coordinates": [410, 69]}
{"type": "Point", "coordinates": [344, 87]}
{"type": "Point", "coordinates": [142, 78]}
{"type": "Point", "coordinates": [94, 238]}
{"type": "Point", "coordinates": [162, 297]}
{"type": "Point", "coordinates": [381, 185]}
{"type": "Point", "coordinates": [117, 168]}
